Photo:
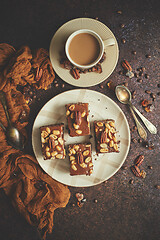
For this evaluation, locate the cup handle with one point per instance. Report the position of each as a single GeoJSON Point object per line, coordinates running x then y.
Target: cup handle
{"type": "Point", "coordinates": [109, 42]}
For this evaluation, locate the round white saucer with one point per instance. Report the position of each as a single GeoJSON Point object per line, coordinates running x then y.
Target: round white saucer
{"type": "Point", "coordinates": [57, 46]}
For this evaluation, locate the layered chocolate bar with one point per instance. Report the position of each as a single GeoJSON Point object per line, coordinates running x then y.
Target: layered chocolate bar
{"type": "Point", "coordinates": [105, 136]}
{"type": "Point", "coordinates": [78, 119]}
{"type": "Point", "coordinates": [52, 140]}
{"type": "Point", "coordinates": [80, 156]}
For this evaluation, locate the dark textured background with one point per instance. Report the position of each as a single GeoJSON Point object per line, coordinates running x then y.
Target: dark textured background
{"type": "Point", "coordinates": [124, 211]}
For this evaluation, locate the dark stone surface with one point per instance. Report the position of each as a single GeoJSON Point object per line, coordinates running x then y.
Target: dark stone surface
{"type": "Point", "coordinates": [124, 210]}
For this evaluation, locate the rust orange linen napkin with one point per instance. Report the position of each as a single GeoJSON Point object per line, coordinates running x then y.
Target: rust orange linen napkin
{"type": "Point", "coordinates": [35, 194]}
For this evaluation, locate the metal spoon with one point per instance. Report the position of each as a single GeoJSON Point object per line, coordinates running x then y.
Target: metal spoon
{"type": "Point", "coordinates": [124, 96]}
{"type": "Point", "coordinates": [14, 137]}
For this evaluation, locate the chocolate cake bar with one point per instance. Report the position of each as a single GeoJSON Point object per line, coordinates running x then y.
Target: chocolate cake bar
{"type": "Point", "coordinates": [105, 138]}
{"type": "Point", "coordinates": [52, 140]}
{"type": "Point", "coordinates": [80, 156]}
{"type": "Point", "coordinates": [78, 119]}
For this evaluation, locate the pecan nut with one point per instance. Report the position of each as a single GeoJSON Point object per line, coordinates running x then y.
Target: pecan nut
{"type": "Point", "coordinates": [80, 159]}
{"type": "Point", "coordinates": [94, 69]}
{"type": "Point", "coordinates": [38, 74]}
{"type": "Point", "coordinates": [98, 68]}
{"type": "Point", "coordinates": [136, 171]}
{"type": "Point", "coordinates": [23, 117]}
{"type": "Point", "coordinates": [139, 160]}
{"type": "Point", "coordinates": [145, 103]}
{"type": "Point", "coordinates": [65, 63]}
{"type": "Point", "coordinates": [103, 137]}
{"type": "Point", "coordinates": [103, 58]}
{"type": "Point", "coordinates": [126, 65]}
{"type": "Point", "coordinates": [51, 143]}
{"type": "Point", "coordinates": [78, 118]}
{"type": "Point", "coordinates": [128, 69]}
{"type": "Point", "coordinates": [75, 73]}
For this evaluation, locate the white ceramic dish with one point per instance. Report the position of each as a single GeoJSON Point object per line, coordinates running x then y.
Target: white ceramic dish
{"type": "Point", "coordinates": [101, 107]}
{"type": "Point", "coordinates": [58, 43]}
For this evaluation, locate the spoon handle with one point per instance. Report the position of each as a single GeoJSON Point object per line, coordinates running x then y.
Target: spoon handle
{"type": "Point", "coordinates": [147, 123]}
{"type": "Point", "coordinates": [4, 104]}
{"type": "Point", "coordinates": [141, 130]}
{"type": "Point", "coordinates": [2, 126]}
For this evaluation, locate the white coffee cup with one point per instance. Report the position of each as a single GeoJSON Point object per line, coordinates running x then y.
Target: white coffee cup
{"type": "Point", "coordinates": [102, 46]}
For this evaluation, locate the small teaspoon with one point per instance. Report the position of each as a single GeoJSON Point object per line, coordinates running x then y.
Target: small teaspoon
{"type": "Point", "coordinates": [124, 96]}
{"type": "Point", "coordinates": [14, 137]}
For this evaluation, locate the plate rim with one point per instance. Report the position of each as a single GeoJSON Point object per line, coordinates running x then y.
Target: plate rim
{"type": "Point", "coordinates": [128, 137]}
{"type": "Point", "coordinates": [116, 59]}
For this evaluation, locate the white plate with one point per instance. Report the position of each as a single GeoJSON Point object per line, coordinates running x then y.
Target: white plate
{"type": "Point", "coordinates": [57, 46]}
{"type": "Point", "coordinates": [101, 107]}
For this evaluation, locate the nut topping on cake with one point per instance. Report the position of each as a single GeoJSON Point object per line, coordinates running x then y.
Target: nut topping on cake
{"type": "Point", "coordinates": [78, 119]}
{"type": "Point", "coordinates": [51, 143]}
{"type": "Point", "coordinates": [72, 107]}
{"type": "Point", "coordinates": [103, 137]}
{"type": "Point", "coordinates": [76, 126]}
{"type": "Point", "coordinates": [80, 158]}
{"type": "Point", "coordinates": [88, 159]}
{"type": "Point", "coordinates": [83, 114]}
{"type": "Point", "coordinates": [100, 124]}
{"type": "Point", "coordinates": [85, 153]}
{"type": "Point", "coordinates": [67, 112]}
{"type": "Point", "coordinates": [79, 132]}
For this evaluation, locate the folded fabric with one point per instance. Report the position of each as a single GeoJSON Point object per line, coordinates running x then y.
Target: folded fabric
{"type": "Point", "coordinates": [35, 194]}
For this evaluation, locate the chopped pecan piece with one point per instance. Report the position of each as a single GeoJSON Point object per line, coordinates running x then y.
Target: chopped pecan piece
{"type": "Point", "coordinates": [145, 103]}
{"type": "Point", "coordinates": [139, 160]}
{"type": "Point", "coordinates": [103, 137]}
{"type": "Point", "coordinates": [111, 85]}
{"type": "Point", "coordinates": [65, 63]}
{"type": "Point", "coordinates": [80, 159]}
{"type": "Point", "coordinates": [23, 117]}
{"type": "Point", "coordinates": [78, 118]}
{"type": "Point", "coordinates": [103, 58]}
{"type": "Point", "coordinates": [94, 69]}
{"type": "Point", "coordinates": [126, 65]}
{"type": "Point", "coordinates": [79, 196]}
{"type": "Point", "coordinates": [38, 74]}
{"type": "Point", "coordinates": [51, 143]}
{"type": "Point", "coordinates": [75, 73]}
{"type": "Point", "coordinates": [98, 68]}
{"type": "Point", "coordinates": [136, 171]}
